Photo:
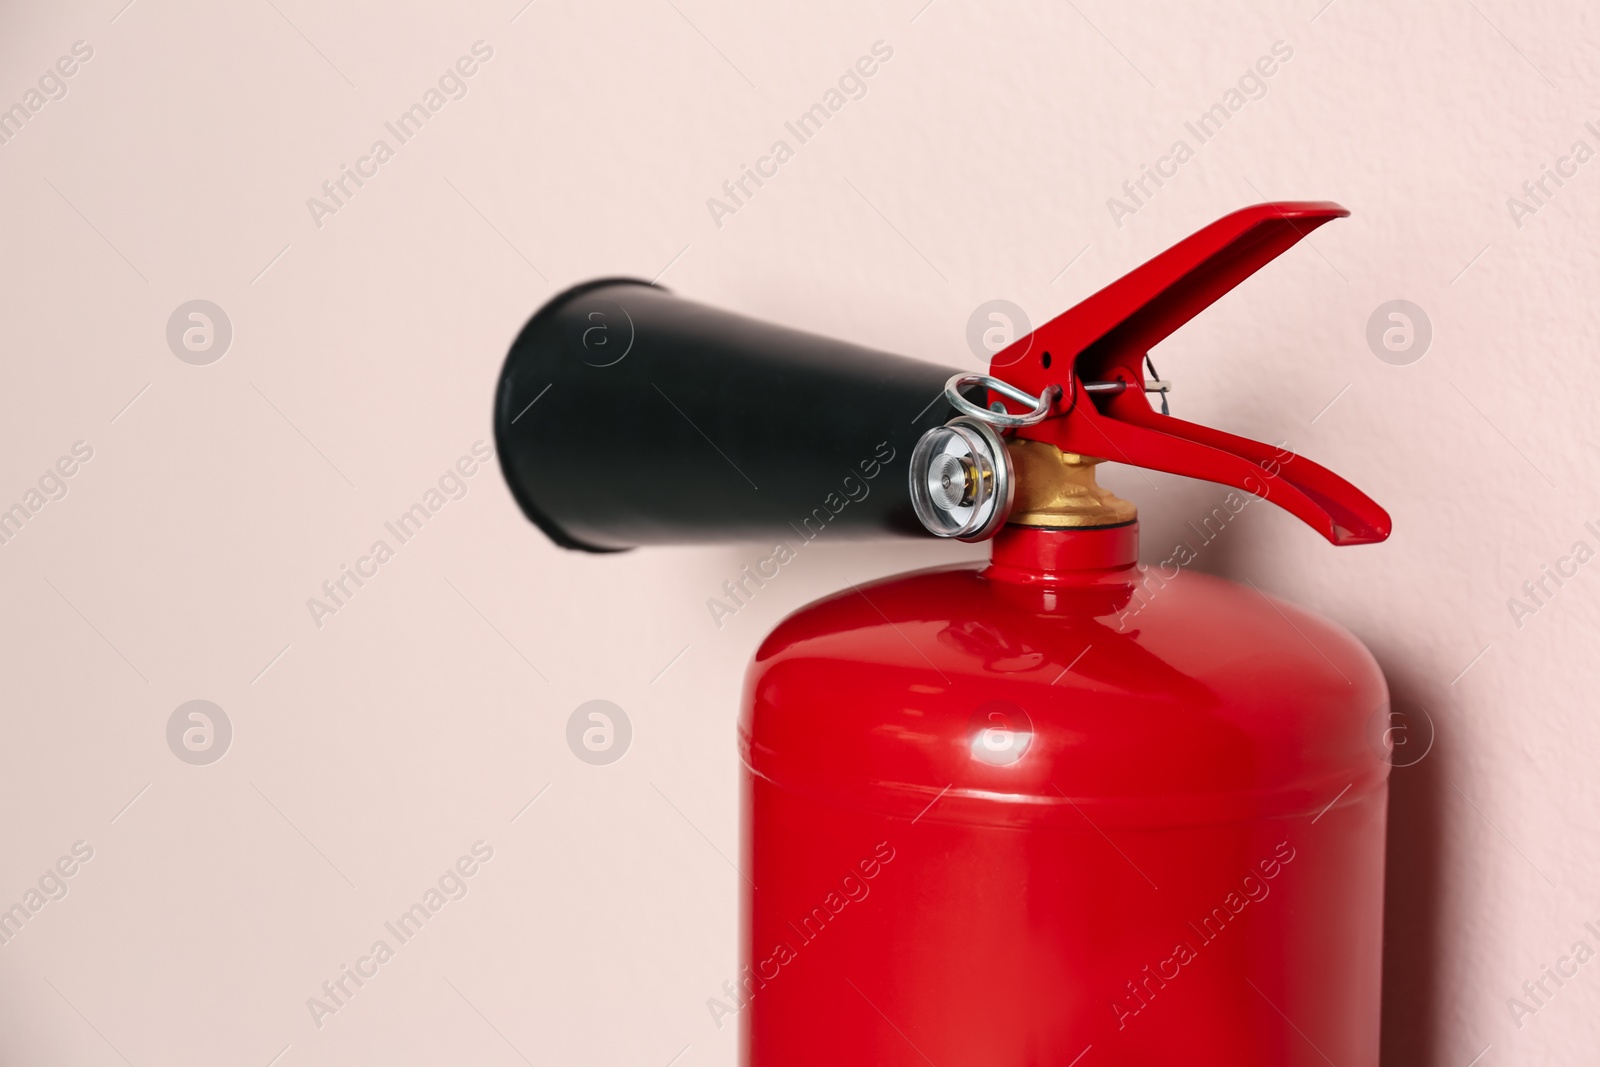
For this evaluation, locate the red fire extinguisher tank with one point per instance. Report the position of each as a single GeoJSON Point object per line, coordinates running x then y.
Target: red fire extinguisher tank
{"type": "Point", "coordinates": [1058, 810]}
{"type": "Point", "coordinates": [1061, 810]}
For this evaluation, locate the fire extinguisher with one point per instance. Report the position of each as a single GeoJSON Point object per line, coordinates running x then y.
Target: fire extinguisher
{"type": "Point", "coordinates": [1056, 809]}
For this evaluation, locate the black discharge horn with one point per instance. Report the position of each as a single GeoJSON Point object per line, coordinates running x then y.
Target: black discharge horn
{"type": "Point", "coordinates": [628, 416]}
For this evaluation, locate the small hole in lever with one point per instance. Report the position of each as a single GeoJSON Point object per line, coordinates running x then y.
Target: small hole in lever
{"type": "Point", "coordinates": [1044, 361]}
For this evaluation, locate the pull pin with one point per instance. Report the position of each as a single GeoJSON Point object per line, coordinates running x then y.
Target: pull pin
{"type": "Point", "coordinates": [997, 415]}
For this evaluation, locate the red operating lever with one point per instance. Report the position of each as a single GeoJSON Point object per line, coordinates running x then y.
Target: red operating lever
{"type": "Point", "coordinates": [1105, 339]}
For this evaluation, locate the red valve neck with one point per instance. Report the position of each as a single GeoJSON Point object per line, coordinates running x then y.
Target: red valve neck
{"type": "Point", "coordinates": [1044, 557]}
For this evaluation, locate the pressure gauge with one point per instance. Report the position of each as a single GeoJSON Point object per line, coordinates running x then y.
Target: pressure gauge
{"type": "Point", "coordinates": [961, 482]}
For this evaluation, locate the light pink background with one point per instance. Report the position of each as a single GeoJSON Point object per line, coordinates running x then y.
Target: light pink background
{"type": "Point", "coordinates": [370, 753]}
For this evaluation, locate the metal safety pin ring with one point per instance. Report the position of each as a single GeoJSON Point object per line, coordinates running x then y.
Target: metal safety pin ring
{"type": "Point", "coordinates": [1040, 404]}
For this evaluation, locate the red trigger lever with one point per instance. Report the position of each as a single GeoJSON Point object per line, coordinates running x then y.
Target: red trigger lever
{"type": "Point", "coordinates": [1088, 350]}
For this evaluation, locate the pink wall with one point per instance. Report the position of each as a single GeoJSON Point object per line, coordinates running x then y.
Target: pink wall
{"type": "Point", "coordinates": [372, 747]}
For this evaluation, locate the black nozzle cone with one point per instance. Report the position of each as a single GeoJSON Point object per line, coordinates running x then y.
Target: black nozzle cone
{"type": "Point", "coordinates": [627, 416]}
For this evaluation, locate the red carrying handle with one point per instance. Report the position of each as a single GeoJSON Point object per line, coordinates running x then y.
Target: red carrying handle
{"type": "Point", "coordinates": [1105, 339]}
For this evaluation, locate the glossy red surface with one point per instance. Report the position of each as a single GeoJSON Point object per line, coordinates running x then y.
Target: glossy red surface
{"type": "Point", "coordinates": [1060, 807]}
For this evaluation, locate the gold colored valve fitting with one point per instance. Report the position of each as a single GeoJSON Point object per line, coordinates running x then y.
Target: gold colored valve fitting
{"type": "Point", "coordinates": [1058, 489]}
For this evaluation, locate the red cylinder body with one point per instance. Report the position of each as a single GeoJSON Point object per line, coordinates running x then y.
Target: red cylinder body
{"type": "Point", "coordinates": [1062, 811]}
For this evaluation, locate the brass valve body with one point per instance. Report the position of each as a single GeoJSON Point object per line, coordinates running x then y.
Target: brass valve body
{"type": "Point", "coordinates": [1058, 489]}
